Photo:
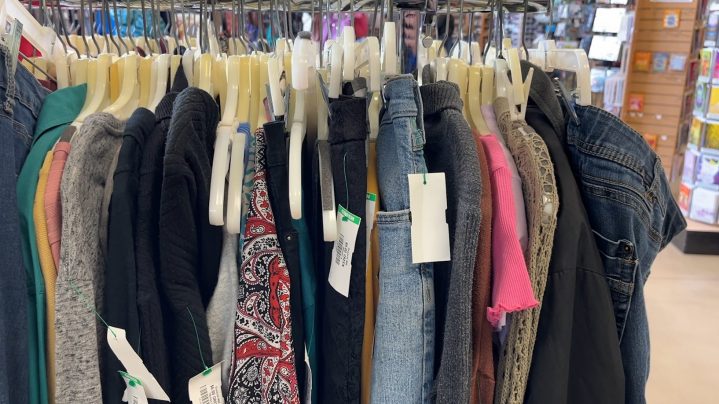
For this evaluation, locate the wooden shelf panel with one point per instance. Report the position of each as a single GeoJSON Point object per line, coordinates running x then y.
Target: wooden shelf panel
{"type": "Point", "coordinates": [670, 131]}
{"type": "Point", "coordinates": [672, 100]}
{"type": "Point", "coordinates": [668, 121]}
{"type": "Point", "coordinates": [661, 94]}
{"type": "Point", "coordinates": [657, 24]}
{"type": "Point", "coordinates": [645, 45]}
{"type": "Point", "coordinates": [656, 10]}
{"type": "Point", "coordinates": [661, 80]}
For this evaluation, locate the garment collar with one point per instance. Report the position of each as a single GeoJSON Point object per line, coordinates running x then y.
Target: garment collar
{"type": "Point", "coordinates": [541, 94]}
{"type": "Point", "coordinates": [437, 97]}
{"type": "Point", "coordinates": [60, 108]}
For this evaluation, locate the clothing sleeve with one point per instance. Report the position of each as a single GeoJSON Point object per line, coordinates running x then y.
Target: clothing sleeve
{"type": "Point", "coordinates": [512, 290]}
{"type": "Point", "coordinates": [180, 264]}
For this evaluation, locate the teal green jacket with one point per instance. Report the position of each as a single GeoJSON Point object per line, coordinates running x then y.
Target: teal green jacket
{"type": "Point", "coordinates": [59, 110]}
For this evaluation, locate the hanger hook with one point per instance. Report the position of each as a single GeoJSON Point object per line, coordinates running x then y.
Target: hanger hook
{"type": "Point", "coordinates": [106, 13]}
{"type": "Point", "coordinates": [524, 27]}
{"type": "Point", "coordinates": [144, 25]}
{"type": "Point", "coordinates": [61, 22]}
{"type": "Point", "coordinates": [83, 25]}
{"type": "Point", "coordinates": [174, 22]}
{"type": "Point", "coordinates": [92, 26]}
{"type": "Point", "coordinates": [56, 26]}
{"type": "Point", "coordinates": [155, 32]}
{"type": "Point", "coordinates": [117, 27]}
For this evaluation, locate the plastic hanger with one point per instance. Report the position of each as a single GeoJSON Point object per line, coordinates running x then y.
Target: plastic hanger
{"type": "Point", "coordinates": [303, 59]}
{"type": "Point", "coordinates": [223, 143]}
{"type": "Point", "coordinates": [390, 64]}
{"type": "Point", "coordinates": [204, 63]}
{"type": "Point", "coordinates": [457, 66]}
{"type": "Point", "coordinates": [348, 48]}
{"type": "Point", "coordinates": [549, 58]}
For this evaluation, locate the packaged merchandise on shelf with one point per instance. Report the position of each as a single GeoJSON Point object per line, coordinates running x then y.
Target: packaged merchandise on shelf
{"type": "Point", "coordinates": [652, 140]}
{"type": "Point", "coordinates": [636, 102]}
{"type": "Point", "coordinates": [684, 199]}
{"type": "Point", "coordinates": [642, 61]}
{"type": "Point", "coordinates": [705, 61]}
{"type": "Point", "coordinates": [705, 205]}
{"type": "Point", "coordinates": [713, 108]}
{"type": "Point", "coordinates": [708, 170]}
{"type": "Point", "coordinates": [695, 133]}
{"type": "Point", "coordinates": [660, 62]}
{"type": "Point", "coordinates": [710, 32]}
{"type": "Point", "coordinates": [677, 62]}
{"type": "Point", "coordinates": [700, 98]}
{"type": "Point", "coordinates": [691, 160]}
{"type": "Point", "coordinates": [671, 18]}
{"type": "Point", "coordinates": [711, 136]}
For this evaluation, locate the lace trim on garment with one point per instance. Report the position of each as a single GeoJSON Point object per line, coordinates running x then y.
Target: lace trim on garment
{"type": "Point", "coordinates": [536, 170]}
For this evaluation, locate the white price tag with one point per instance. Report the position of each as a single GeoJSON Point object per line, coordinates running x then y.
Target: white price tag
{"type": "Point", "coordinates": [341, 268]}
{"type": "Point", "coordinates": [428, 205]}
{"type": "Point", "coordinates": [117, 340]}
{"type": "Point", "coordinates": [134, 392]}
{"type": "Point", "coordinates": [206, 387]}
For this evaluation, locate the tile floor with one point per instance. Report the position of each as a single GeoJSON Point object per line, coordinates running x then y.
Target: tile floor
{"type": "Point", "coordinates": [683, 303]}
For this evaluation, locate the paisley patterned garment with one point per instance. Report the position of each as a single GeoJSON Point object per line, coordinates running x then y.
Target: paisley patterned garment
{"type": "Point", "coordinates": [263, 369]}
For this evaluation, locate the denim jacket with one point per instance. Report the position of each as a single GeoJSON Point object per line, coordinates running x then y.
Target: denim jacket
{"type": "Point", "coordinates": [631, 210]}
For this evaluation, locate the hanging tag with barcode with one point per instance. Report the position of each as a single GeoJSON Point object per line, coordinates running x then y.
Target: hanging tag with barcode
{"type": "Point", "coordinates": [341, 268]}
{"type": "Point", "coordinates": [428, 205]}
{"type": "Point", "coordinates": [132, 362]}
{"type": "Point", "coordinates": [206, 387]}
{"type": "Point", "coordinates": [134, 391]}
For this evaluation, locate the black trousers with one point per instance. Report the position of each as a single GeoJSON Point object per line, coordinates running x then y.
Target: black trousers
{"type": "Point", "coordinates": [277, 184]}
{"type": "Point", "coordinates": [342, 328]}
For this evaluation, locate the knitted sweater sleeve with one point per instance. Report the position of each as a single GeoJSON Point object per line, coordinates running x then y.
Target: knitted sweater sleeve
{"type": "Point", "coordinates": [512, 290]}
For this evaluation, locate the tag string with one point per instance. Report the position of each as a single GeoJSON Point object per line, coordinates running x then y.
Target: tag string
{"type": "Point", "coordinates": [199, 347]}
{"type": "Point", "coordinates": [85, 301]}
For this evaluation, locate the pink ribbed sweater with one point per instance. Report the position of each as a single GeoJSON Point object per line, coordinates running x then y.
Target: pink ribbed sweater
{"type": "Point", "coordinates": [511, 288]}
{"type": "Point", "coordinates": [53, 208]}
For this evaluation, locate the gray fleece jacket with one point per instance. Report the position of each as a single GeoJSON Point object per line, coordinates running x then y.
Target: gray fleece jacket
{"type": "Point", "coordinates": [80, 276]}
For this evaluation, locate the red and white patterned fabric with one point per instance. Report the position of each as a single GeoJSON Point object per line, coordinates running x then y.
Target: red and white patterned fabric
{"type": "Point", "coordinates": [263, 364]}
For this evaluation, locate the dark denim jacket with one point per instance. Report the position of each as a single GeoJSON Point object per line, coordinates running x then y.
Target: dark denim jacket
{"type": "Point", "coordinates": [631, 209]}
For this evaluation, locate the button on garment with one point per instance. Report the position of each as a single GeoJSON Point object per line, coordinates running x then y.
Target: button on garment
{"type": "Point", "coordinates": [263, 366]}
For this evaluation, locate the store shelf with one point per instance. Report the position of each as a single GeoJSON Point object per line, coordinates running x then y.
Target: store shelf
{"type": "Point", "coordinates": [698, 238]}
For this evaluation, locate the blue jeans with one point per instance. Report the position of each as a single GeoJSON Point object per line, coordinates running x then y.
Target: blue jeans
{"type": "Point", "coordinates": [402, 363]}
{"type": "Point", "coordinates": [633, 215]}
{"type": "Point", "coordinates": [21, 98]}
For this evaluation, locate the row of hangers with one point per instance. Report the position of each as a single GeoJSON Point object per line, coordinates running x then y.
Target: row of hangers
{"type": "Point", "coordinates": [297, 77]}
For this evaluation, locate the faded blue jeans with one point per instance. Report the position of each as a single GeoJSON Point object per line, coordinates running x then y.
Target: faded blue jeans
{"type": "Point", "coordinates": [633, 215]}
{"type": "Point", "coordinates": [21, 98]}
{"type": "Point", "coordinates": [402, 363]}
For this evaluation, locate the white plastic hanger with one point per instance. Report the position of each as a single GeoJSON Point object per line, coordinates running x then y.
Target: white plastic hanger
{"type": "Point", "coordinates": [129, 98]}
{"type": "Point", "coordinates": [303, 59]}
{"type": "Point", "coordinates": [549, 58]}
{"type": "Point", "coordinates": [221, 159]}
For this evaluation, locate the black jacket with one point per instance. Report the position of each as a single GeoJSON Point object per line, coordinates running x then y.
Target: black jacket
{"type": "Point", "coordinates": [190, 247]}
{"type": "Point", "coordinates": [151, 308]}
{"type": "Point", "coordinates": [120, 294]}
{"type": "Point", "coordinates": [576, 356]}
